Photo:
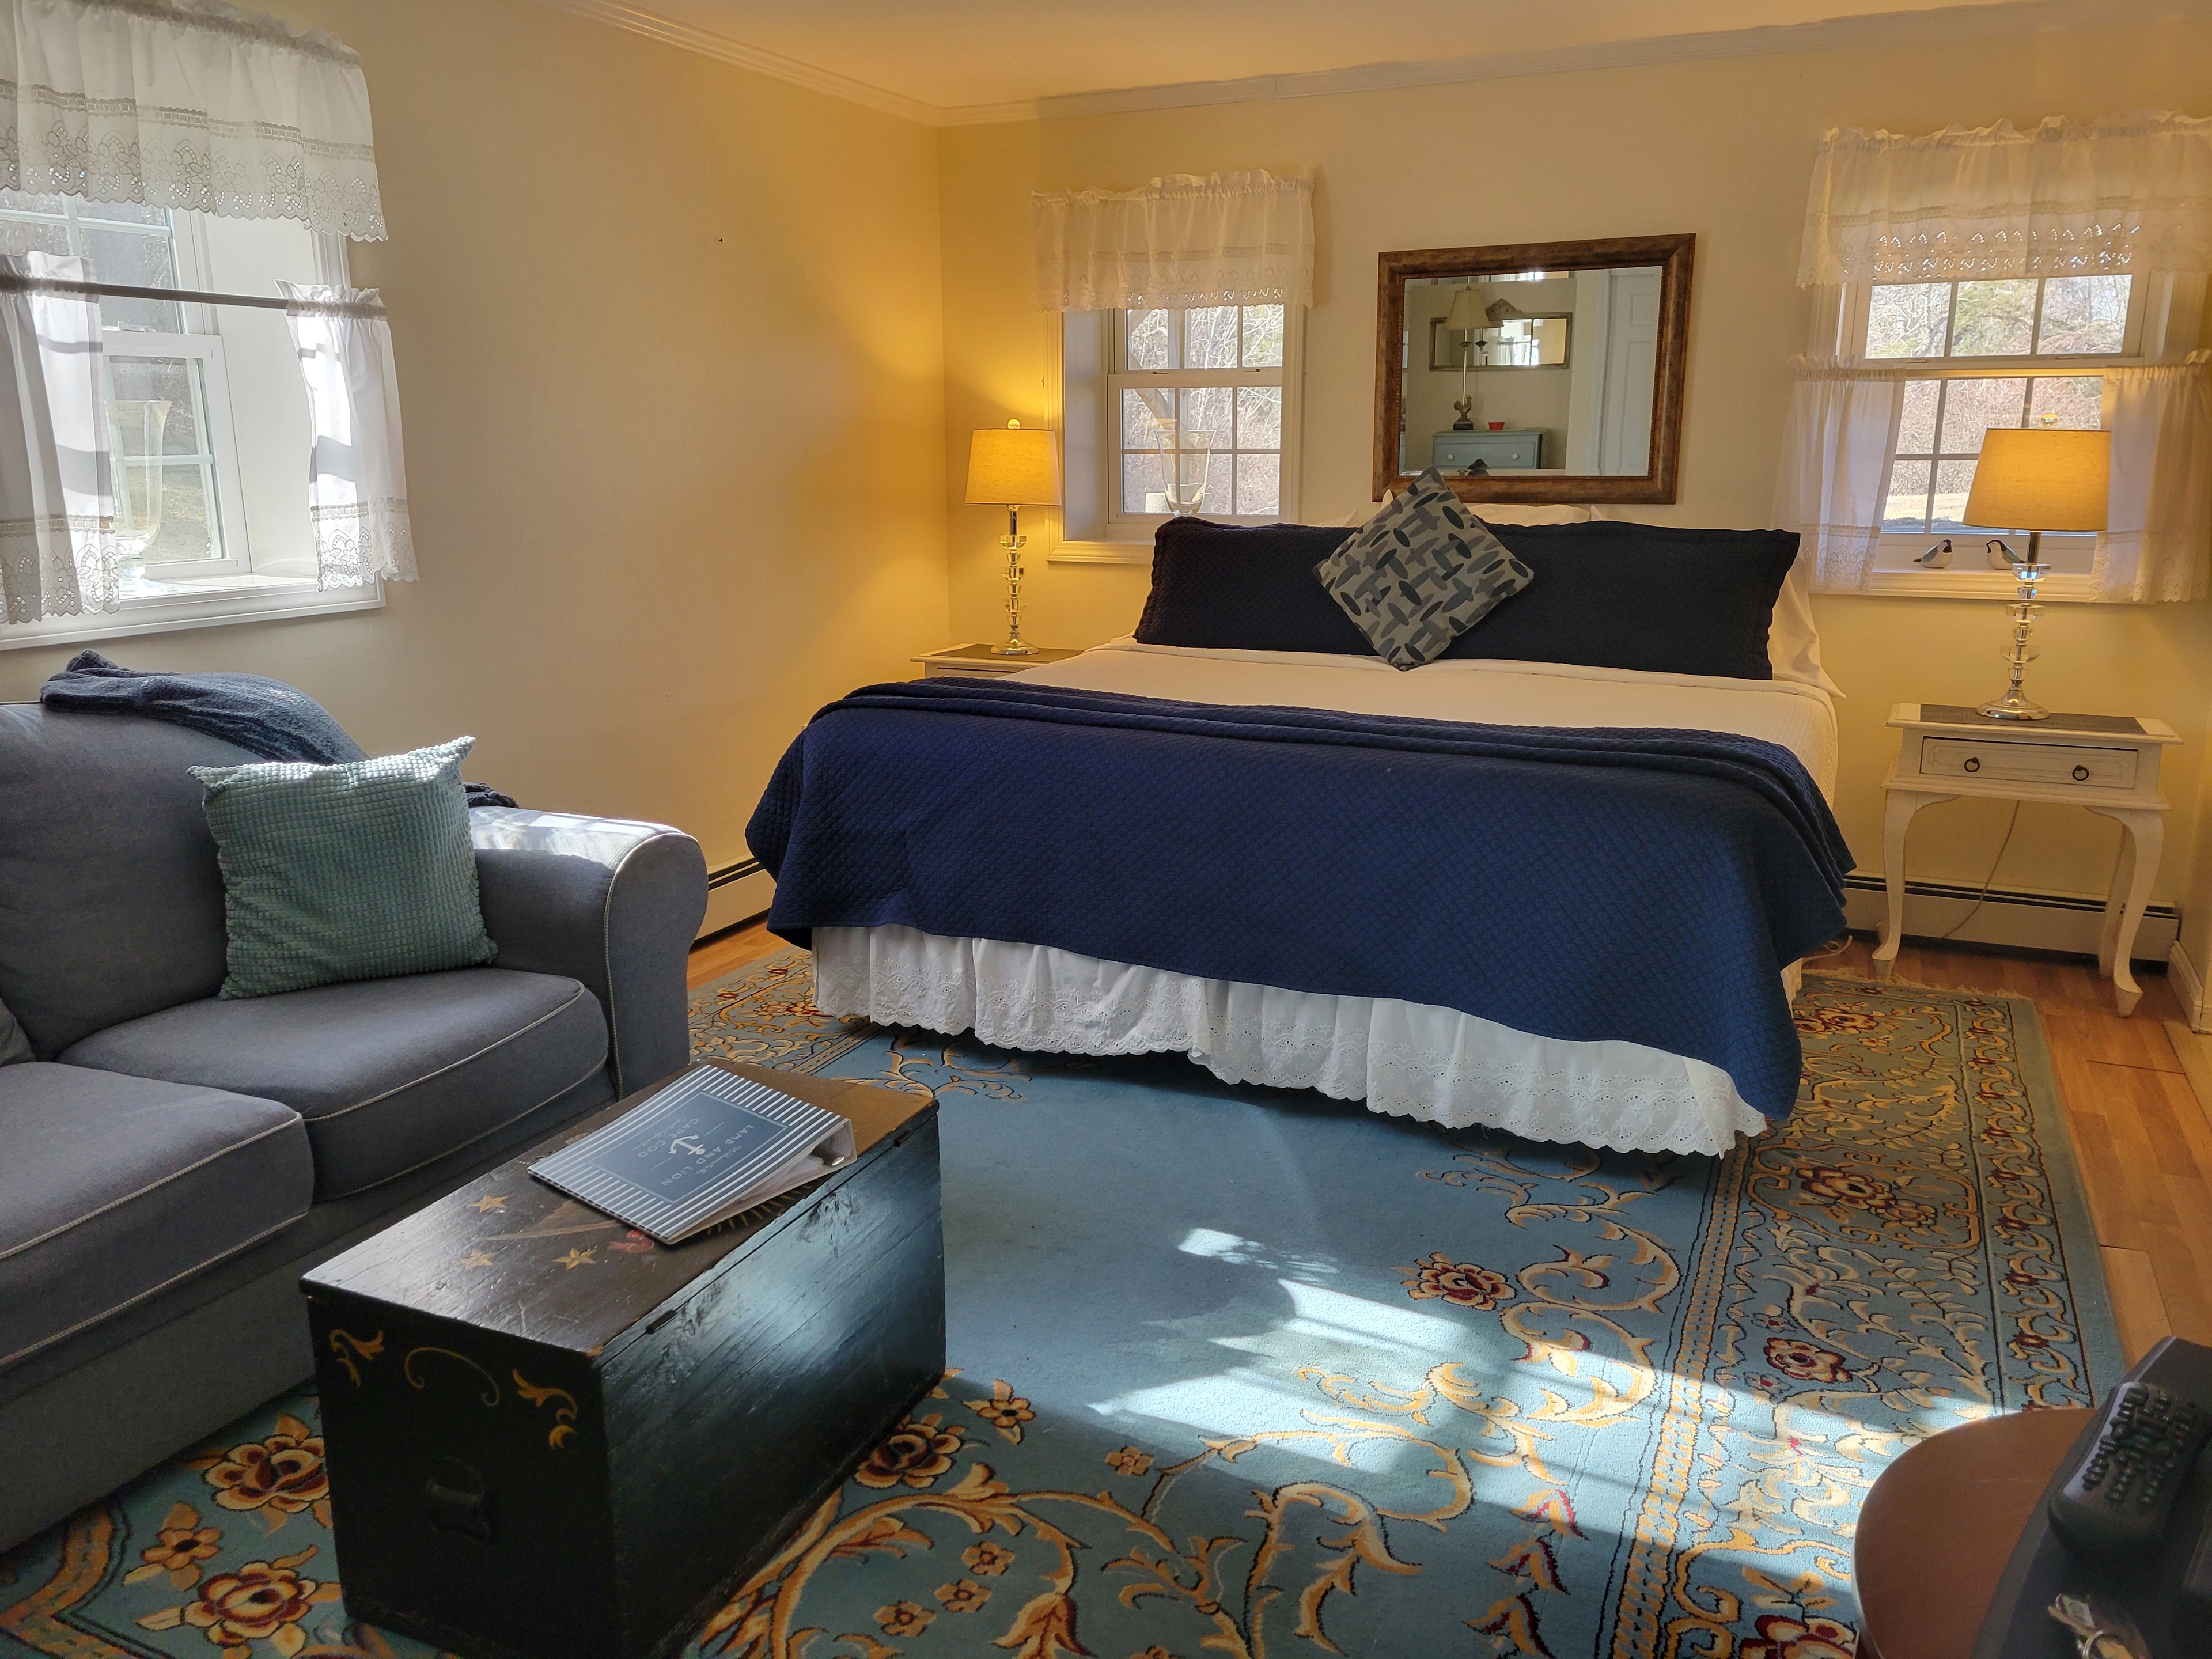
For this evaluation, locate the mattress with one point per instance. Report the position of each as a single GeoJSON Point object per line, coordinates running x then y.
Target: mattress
{"type": "Point", "coordinates": [1401, 1058]}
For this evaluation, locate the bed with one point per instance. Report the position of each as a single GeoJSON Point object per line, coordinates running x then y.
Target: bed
{"type": "Point", "coordinates": [1048, 861]}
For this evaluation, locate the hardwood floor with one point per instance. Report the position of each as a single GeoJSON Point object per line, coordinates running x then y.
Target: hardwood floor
{"type": "Point", "coordinates": [2138, 1095]}
{"type": "Point", "coordinates": [726, 953]}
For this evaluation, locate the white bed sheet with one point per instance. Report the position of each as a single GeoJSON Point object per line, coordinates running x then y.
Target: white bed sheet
{"type": "Point", "coordinates": [1406, 1059]}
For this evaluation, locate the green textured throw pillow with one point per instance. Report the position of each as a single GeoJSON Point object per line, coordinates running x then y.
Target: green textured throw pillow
{"type": "Point", "coordinates": [354, 872]}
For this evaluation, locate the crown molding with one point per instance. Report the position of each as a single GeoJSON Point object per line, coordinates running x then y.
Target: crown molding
{"type": "Point", "coordinates": [1873, 31]}
{"type": "Point", "coordinates": [708, 44]}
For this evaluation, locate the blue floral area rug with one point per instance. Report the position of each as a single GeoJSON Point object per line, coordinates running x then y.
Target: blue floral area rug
{"type": "Point", "coordinates": [1249, 1373]}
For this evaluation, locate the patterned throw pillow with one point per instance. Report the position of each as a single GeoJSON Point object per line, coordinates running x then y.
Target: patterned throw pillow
{"type": "Point", "coordinates": [339, 872]}
{"type": "Point", "coordinates": [1420, 574]}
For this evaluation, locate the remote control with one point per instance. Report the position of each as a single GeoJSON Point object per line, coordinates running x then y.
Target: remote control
{"type": "Point", "coordinates": [2121, 1496]}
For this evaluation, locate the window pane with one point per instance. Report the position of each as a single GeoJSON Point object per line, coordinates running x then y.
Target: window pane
{"type": "Point", "coordinates": [1908, 496]}
{"type": "Point", "coordinates": [1207, 413]}
{"type": "Point", "coordinates": [136, 385]}
{"type": "Point", "coordinates": [1263, 338]}
{"type": "Point", "coordinates": [25, 236]}
{"type": "Point", "coordinates": [1152, 339]}
{"type": "Point", "coordinates": [1143, 484]}
{"type": "Point", "coordinates": [1259, 419]}
{"type": "Point", "coordinates": [1908, 319]}
{"type": "Point", "coordinates": [1996, 318]}
{"type": "Point", "coordinates": [1916, 434]}
{"type": "Point", "coordinates": [17, 201]}
{"type": "Point", "coordinates": [1259, 484]}
{"type": "Point", "coordinates": [183, 528]}
{"type": "Point", "coordinates": [1972, 407]}
{"type": "Point", "coordinates": [142, 261]}
{"type": "Point", "coordinates": [2071, 401]}
{"type": "Point", "coordinates": [2084, 313]}
{"type": "Point", "coordinates": [1204, 481]}
{"type": "Point", "coordinates": [1209, 337]}
{"type": "Point", "coordinates": [1143, 416]}
{"type": "Point", "coordinates": [124, 213]}
{"type": "Point", "coordinates": [1954, 479]}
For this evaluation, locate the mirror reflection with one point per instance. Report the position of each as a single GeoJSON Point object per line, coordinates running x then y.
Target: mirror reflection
{"type": "Point", "coordinates": [1532, 371]}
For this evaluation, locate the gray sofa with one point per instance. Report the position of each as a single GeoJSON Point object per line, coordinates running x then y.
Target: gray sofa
{"type": "Point", "coordinates": [171, 1162]}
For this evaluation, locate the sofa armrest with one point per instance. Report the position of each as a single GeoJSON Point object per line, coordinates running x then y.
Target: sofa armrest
{"type": "Point", "coordinates": [614, 904]}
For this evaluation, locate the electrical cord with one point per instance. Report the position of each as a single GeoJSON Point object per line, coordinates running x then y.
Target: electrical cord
{"type": "Point", "coordinates": [1988, 881]}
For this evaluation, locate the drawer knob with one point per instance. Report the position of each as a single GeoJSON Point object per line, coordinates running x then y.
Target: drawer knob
{"type": "Point", "coordinates": [1973, 762]}
{"type": "Point", "coordinates": [2080, 775]}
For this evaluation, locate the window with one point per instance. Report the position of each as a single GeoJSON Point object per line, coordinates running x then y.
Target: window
{"type": "Point", "coordinates": [207, 415]}
{"type": "Point", "coordinates": [2006, 353]}
{"type": "Point", "coordinates": [1166, 409]}
{"type": "Point", "coordinates": [1197, 398]}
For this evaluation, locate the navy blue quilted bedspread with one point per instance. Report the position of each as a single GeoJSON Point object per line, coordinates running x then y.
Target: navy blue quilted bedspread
{"type": "Point", "coordinates": [1647, 886]}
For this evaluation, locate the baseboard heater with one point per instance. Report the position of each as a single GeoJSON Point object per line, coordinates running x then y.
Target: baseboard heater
{"type": "Point", "coordinates": [736, 893]}
{"type": "Point", "coordinates": [2065, 922]}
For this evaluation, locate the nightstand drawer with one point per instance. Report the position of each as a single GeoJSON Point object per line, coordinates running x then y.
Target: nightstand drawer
{"type": "Point", "coordinates": [2028, 763]}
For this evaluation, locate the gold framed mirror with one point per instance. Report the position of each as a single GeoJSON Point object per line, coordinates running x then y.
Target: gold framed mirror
{"type": "Point", "coordinates": [1534, 371]}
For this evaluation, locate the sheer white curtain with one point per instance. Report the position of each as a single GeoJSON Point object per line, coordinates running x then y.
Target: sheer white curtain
{"type": "Point", "coordinates": [186, 104]}
{"type": "Point", "coordinates": [57, 554]}
{"type": "Point", "coordinates": [1227, 239]}
{"type": "Point", "coordinates": [2159, 517]}
{"type": "Point", "coordinates": [2117, 194]}
{"type": "Point", "coordinates": [1836, 441]}
{"type": "Point", "coordinates": [357, 479]}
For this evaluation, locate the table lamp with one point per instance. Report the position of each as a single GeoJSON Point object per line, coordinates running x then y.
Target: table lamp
{"type": "Point", "coordinates": [1013, 466]}
{"type": "Point", "coordinates": [2036, 479]}
{"type": "Point", "coordinates": [1465, 320]}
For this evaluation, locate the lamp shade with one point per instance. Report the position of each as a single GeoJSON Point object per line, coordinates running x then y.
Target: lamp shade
{"type": "Point", "coordinates": [1014, 465]}
{"type": "Point", "coordinates": [1465, 315]}
{"type": "Point", "coordinates": [2041, 478]}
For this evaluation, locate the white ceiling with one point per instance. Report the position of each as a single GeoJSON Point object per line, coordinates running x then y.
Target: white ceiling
{"type": "Point", "coordinates": [985, 58]}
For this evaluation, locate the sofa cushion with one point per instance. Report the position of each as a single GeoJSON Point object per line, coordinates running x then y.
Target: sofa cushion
{"type": "Point", "coordinates": [114, 1187]}
{"type": "Point", "coordinates": [111, 905]}
{"type": "Point", "coordinates": [389, 1073]}
{"type": "Point", "coordinates": [362, 870]}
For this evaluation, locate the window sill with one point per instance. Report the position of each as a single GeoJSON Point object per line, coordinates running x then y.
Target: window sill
{"type": "Point", "coordinates": [1100, 553]}
{"type": "Point", "coordinates": [161, 607]}
{"type": "Point", "coordinates": [2062, 588]}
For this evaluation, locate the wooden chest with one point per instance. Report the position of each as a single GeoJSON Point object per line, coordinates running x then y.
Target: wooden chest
{"type": "Point", "coordinates": [549, 1438]}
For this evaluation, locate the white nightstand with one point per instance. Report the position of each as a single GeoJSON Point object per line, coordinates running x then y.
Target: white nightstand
{"type": "Point", "coordinates": [2107, 762]}
{"type": "Point", "coordinates": [980, 659]}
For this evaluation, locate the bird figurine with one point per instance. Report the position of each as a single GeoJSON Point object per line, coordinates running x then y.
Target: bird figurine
{"type": "Point", "coordinates": [1937, 557]}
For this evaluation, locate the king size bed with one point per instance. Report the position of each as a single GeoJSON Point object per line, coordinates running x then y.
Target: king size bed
{"type": "Point", "coordinates": [1563, 898]}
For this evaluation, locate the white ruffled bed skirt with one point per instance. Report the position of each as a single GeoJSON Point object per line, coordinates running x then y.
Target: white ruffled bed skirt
{"type": "Point", "coordinates": [1407, 1059]}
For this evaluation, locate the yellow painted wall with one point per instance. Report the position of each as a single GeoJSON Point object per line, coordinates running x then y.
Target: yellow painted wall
{"type": "Point", "coordinates": [1723, 148]}
{"type": "Point", "coordinates": [670, 350]}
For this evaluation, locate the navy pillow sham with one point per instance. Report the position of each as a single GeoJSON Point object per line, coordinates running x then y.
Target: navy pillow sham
{"type": "Point", "coordinates": [1664, 598]}
{"type": "Point", "coordinates": [1607, 595]}
{"type": "Point", "coordinates": [1246, 587]}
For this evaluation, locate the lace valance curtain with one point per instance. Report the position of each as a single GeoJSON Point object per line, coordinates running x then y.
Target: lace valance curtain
{"type": "Point", "coordinates": [188, 104]}
{"type": "Point", "coordinates": [2114, 195]}
{"type": "Point", "coordinates": [1227, 239]}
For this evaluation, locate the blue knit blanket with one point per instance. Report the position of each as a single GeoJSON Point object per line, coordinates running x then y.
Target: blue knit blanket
{"type": "Point", "coordinates": [1640, 886]}
{"type": "Point", "coordinates": [262, 716]}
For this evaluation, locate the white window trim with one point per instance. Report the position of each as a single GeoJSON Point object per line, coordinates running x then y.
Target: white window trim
{"type": "Point", "coordinates": [202, 597]}
{"type": "Point", "coordinates": [1100, 535]}
{"type": "Point", "coordinates": [2163, 318]}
